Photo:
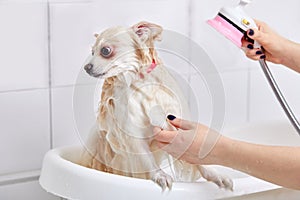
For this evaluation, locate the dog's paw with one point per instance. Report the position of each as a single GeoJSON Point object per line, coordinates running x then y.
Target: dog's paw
{"type": "Point", "coordinates": [211, 175]}
{"type": "Point", "coordinates": [223, 182]}
{"type": "Point", "coordinates": [163, 180]}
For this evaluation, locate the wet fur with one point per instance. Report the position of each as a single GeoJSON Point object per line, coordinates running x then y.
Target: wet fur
{"type": "Point", "coordinates": [117, 143]}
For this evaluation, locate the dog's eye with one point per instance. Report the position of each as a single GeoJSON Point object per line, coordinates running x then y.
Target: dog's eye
{"type": "Point", "coordinates": [105, 51]}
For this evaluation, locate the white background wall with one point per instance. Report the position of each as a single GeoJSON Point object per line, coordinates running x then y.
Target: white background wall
{"type": "Point", "coordinates": [43, 45]}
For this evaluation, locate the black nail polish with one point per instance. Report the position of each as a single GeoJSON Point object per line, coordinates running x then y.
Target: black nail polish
{"type": "Point", "coordinates": [251, 32]}
{"type": "Point", "coordinates": [250, 46]}
{"type": "Point", "coordinates": [259, 52]}
{"type": "Point", "coordinates": [263, 57]}
{"type": "Point", "coordinates": [171, 117]}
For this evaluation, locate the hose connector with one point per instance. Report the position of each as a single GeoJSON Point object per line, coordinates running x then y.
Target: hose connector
{"type": "Point", "coordinates": [244, 2]}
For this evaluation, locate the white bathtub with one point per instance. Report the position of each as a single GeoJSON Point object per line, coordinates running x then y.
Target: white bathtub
{"type": "Point", "coordinates": [62, 177]}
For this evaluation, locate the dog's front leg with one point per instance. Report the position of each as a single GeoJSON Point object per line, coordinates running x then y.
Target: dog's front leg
{"type": "Point", "coordinates": [157, 117]}
{"type": "Point", "coordinates": [158, 176]}
{"type": "Point", "coordinates": [144, 162]}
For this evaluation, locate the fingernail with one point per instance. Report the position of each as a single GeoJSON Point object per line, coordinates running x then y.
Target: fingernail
{"type": "Point", "coordinates": [263, 57]}
{"type": "Point", "coordinates": [259, 52]}
{"type": "Point", "coordinates": [251, 32]}
{"type": "Point", "coordinates": [250, 46]}
{"type": "Point", "coordinates": [171, 117]}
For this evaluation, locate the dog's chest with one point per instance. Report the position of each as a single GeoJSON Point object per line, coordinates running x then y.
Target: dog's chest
{"type": "Point", "coordinates": [125, 109]}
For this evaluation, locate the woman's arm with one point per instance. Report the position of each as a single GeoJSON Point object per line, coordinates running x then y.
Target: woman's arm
{"type": "Point", "coordinates": [279, 165]}
{"type": "Point", "coordinates": [292, 56]}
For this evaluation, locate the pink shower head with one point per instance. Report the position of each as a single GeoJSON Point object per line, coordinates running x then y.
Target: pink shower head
{"type": "Point", "coordinates": [228, 30]}
{"type": "Point", "coordinates": [233, 23]}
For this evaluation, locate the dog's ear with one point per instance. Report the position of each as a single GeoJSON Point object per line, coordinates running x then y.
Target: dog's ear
{"type": "Point", "coordinates": [148, 32]}
{"type": "Point", "coordinates": [96, 35]}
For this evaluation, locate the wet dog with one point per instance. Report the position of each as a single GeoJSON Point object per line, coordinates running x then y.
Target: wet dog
{"type": "Point", "coordinates": [137, 94]}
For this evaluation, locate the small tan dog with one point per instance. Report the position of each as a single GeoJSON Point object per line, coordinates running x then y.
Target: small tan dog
{"type": "Point", "coordinates": [137, 94]}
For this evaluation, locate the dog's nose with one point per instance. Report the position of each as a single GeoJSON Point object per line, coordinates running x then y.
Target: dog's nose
{"type": "Point", "coordinates": [88, 67]}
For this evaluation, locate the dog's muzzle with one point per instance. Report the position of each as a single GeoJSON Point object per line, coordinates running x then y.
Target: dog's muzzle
{"type": "Point", "coordinates": [88, 68]}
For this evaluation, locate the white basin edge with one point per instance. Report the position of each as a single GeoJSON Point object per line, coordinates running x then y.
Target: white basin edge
{"type": "Point", "coordinates": [66, 179]}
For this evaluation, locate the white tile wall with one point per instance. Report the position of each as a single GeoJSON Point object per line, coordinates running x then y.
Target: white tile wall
{"type": "Point", "coordinates": [25, 130]}
{"type": "Point", "coordinates": [64, 130]}
{"type": "Point", "coordinates": [236, 90]}
{"type": "Point", "coordinates": [289, 82]}
{"type": "Point", "coordinates": [201, 102]}
{"type": "Point", "coordinates": [234, 86]}
{"type": "Point", "coordinates": [31, 121]}
{"type": "Point", "coordinates": [23, 46]}
{"type": "Point", "coordinates": [24, 97]}
{"type": "Point", "coordinates": [281, 16]}
{"type": "Point", "coordinates": [263, 103]}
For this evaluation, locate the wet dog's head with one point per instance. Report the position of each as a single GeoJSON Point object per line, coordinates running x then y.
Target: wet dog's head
{"type": "Point", "coordinates": [121, 50]}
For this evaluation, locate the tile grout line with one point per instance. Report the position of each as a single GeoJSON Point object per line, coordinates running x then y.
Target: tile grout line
{"type": "Point", "coordinates": [23, 90]}
{"type": "Point", "coordinates": [49, 75]}
{"type": "Point", "coordinates": [44, 88]}
{"type": "Point", "coordinates": [20, 177]}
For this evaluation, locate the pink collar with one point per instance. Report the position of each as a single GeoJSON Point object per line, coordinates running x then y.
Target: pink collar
{"type": "Point", "coordinates": [152, 66]}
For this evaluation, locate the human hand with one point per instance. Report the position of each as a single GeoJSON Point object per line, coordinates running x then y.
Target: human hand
{"type": "Point", "coordinates": [186, 142]}
{"type": "Point", "coordinates": [274, 45]}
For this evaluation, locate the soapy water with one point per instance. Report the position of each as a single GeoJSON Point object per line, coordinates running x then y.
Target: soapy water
{"type": "Point", "coordinates": [176, 46]}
